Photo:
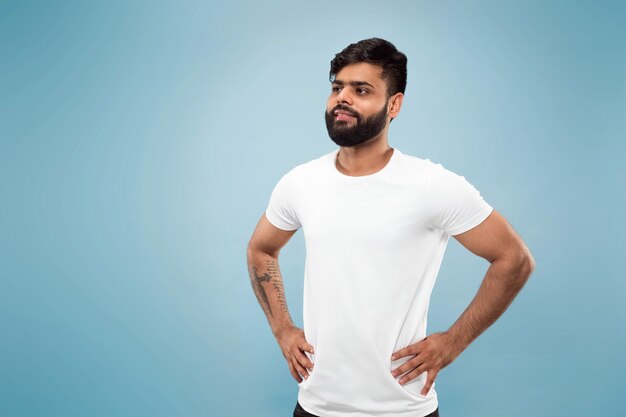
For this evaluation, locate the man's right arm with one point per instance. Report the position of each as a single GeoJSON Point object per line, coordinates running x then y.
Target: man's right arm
{"type": "Point", "coordinates": [263, 249]}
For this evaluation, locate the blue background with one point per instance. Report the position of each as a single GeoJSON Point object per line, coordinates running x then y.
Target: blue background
{"type": "Point", "coordinates": [140, 142]}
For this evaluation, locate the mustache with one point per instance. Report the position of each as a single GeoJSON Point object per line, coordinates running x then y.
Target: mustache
{"type": "Point", "coordinates": [344, 108]}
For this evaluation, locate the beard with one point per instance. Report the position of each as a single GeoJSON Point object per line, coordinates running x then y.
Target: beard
{"type": "Point", "coordinates": [343, 134]}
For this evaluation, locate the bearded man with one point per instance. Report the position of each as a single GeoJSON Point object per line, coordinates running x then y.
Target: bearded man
{"type": "Point", "coordinates": [376, 222]}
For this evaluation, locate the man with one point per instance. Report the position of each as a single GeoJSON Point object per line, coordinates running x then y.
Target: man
{"type": "Point", "coordinates": [376, 223]}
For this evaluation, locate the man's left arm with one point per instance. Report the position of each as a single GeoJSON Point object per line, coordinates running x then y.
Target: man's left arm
{"type": "Point", "coordinates": [511, 265]}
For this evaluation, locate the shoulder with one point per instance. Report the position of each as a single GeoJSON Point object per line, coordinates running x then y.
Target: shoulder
{"type": "Point", "coordinates": [311, 168]}
{"type": "Point", "coordinates": [416, 162]}
{"type": "Point", "coordinates": [417, 167]}
{"type": "Point", "coordinates": [438, 178]}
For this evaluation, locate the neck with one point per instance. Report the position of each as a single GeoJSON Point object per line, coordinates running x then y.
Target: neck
{"type": "Point", "coordinates": [366, 158]}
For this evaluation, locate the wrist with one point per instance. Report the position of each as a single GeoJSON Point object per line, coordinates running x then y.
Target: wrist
{"type": "Point", "coordinates": [456, 341]}
{"type": "Point", "coordinates": [280, 329]}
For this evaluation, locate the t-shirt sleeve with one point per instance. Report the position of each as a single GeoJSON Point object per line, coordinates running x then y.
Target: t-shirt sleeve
{"type": "Point", "coordinates": [280, 210]}
{"type": "Point", "coordinates": [457, 206]}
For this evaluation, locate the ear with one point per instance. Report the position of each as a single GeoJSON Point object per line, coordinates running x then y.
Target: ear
{"type": "Point", "coordinates": [395, 103]}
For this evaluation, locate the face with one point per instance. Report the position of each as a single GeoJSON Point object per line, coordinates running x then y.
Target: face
{"type": "Point", "coordinates": [358, 108]}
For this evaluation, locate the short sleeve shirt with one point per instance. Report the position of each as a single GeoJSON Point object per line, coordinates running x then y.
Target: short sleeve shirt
{"type": "Point", "coordinates": [374, 246]}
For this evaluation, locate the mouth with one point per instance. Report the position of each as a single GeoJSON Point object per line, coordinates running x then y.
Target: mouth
{"type": "Point", "coordinates": [343, 115]}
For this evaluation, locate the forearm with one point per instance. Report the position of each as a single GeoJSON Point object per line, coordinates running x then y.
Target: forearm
{"type": "Point", "coordinates": [503, 281]}
{"type": "Point", "coordinates": [268, 287]}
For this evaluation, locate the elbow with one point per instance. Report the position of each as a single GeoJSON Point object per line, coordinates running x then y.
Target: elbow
{"type": "Point", "coordinates": [524, 264]}
{"type": "Point", "coordinates": [251, 248]}
{"type": "Point", "coordinates": [254, 250]}
{"type": "Point", "coordinates": [528, 265]}
{"type": "Point", "coordinates": [519, 264]}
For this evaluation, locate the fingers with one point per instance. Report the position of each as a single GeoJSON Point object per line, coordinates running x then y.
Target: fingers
{"type": "Point", "coordinates": [413, 369]}
{"type": "Point", "coordinates": [414, 373]}
{"type": "Point", "coordinates": [299, 363]}
{"type": "Point", "coordinates": [407, 366]}
{"type": "Point", "coordinates": [297, 370]}
{"type": "Point", "coordinates": [411, 350]}
{"type": "Point", "coordinates": [429, 382]}
{"type": "Point", "coordinates": [306, 346]}
{"type": "Point", "coordinates": [305, 362]}
{"type": "Point", "coordinates": [303, 359]}
{"type": "Point", "coordinates": [401, 353]}
{"type": "Point", "coordinates": [301, 370]}
{"type": "Point", "coordinates": [294, 374]}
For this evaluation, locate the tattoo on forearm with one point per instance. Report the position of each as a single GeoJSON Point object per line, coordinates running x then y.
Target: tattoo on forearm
{"type": "Point", "coordinates": [277, 282]}
{"type": "Point", "coordinates": [261, 295]}
{"type": "Point", "coordinates": [273, 276]}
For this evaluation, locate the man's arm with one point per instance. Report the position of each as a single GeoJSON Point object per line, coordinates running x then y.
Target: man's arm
{"type": "Point", "coordinates": [263, 249]}
{"type": "Point", "coordinates": [511, 265]}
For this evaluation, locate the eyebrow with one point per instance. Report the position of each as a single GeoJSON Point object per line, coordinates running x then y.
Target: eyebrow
{"type": "Point", "coordinates": [354, 83]}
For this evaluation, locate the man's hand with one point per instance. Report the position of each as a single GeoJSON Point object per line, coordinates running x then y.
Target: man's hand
{"type": "Point", "coordinates": [431, 354]}
{"type": "Point", "coordinates": [293, 344]}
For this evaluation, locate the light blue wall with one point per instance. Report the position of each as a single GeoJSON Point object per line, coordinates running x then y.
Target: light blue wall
{"type": "Point", "coordinates": [139, 144]}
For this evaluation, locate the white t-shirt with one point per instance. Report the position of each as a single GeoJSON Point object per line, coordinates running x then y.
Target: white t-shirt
{"type": "Point", "coordinates": [374, 245]}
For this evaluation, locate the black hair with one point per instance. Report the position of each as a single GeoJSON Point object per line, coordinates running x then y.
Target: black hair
{"type": "Point", "coordinates": [374, 51]}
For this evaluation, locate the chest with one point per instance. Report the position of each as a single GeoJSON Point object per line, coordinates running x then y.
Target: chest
{"type": "Point", "coordinates": [363, 213]}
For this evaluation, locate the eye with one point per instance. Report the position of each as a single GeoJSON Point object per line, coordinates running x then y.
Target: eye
{"type": "Point", "coordinates": [336, 89]}
{"type": "Point", "coordinates": [361, 91]}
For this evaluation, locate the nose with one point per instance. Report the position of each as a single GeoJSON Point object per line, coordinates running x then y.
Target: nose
{"type": "Point", "coordinates": [344, 96]}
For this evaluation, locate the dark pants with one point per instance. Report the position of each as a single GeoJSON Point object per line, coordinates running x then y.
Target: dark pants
{"type": "Point", "coordinates": [301, 412]}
